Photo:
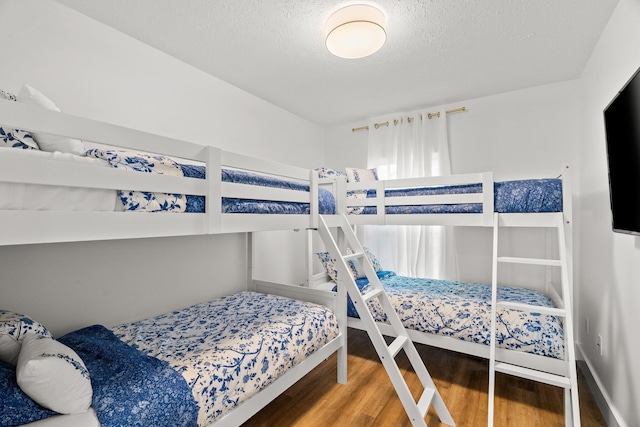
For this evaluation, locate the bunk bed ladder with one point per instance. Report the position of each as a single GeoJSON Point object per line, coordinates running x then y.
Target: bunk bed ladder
{"type": "Point", "coordinates": [568, 381]}
{"type": "Point", "coordinates": [416, 410]}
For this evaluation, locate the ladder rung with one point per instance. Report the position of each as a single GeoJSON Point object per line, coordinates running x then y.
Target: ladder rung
{"type": "Point", "coordinates": [397, 344]}
{"type": "Point", "coordinates": [534, 261]}
{"type": "Point", "coordinates": [372, 294]}
{"type": "Point", "coordinates": [533, 308]}
{"type": "Point", "coordinates": [425, 400]}
{"type": "Point", "coordinates": [352, 256]}
{"type": "Point", "coordinates": [532, 374]}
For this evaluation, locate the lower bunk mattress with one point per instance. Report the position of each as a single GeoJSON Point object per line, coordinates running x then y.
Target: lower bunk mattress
{"type": "Point", "coordinates": [463, 311]}
{"type": "Point", "coordinates": [192, 366]}
{"type": "Point", "coordinates": [16, 196]}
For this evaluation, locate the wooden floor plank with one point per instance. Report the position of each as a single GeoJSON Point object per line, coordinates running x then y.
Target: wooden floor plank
{"type": "Point", "coordinates": [369, 399]}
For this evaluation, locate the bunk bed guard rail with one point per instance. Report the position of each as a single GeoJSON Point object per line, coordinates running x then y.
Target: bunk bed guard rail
{"type": "Point", "coordinates": [44, 226]}
{"type": "Point", "coordinates": [377, 194]}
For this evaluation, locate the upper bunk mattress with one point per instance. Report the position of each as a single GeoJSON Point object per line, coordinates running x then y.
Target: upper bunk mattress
{"type": "Point", "coordinates": [516, 196]}
{"type": "Point", "coordinates": [17, 196]}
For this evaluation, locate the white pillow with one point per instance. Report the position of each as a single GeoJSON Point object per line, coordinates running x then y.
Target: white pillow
{"type": "Point", "coordinates": [45, 141]}
{"type": "Point", "coordinates": [53, 375]}
{"type": "Point", "coordinates": [361, 175]}
{"type": "Point", "coordinates": [13, 328]}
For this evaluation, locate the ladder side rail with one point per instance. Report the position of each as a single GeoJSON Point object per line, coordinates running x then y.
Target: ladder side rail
{"type": "Point", "coordinates": [427, 381]}
{"type": "Point", "coordinates": [572, 405]}
{"type": "Point", "coordinates": [350, 237]}
{"type": "Point", "coordinates": [395, 375]}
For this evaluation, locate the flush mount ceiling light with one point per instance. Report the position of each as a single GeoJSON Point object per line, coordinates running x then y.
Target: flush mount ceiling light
{"type": "Point", "coordinates": [356, 31]}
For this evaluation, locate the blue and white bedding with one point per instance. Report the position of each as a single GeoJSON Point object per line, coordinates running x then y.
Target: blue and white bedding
{"type": "Point", "coordinates": [154, 202]}
{"type": "Point", "coordinates": [230, 348]}
{"type": "Point", "coordinates": [517, 196]}
{"type": "Point", "coordinates": [463, 311]}
{"type": "Point", "coordinates": [188, 367]}
{"type": "Point", "coordinates": [130, 388]}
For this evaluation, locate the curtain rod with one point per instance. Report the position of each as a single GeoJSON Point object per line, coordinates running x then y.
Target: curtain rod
{"type": "Point", "coordinates": [396, 121]}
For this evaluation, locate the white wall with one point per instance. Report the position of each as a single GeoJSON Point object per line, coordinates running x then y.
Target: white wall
{"type": "Point", "coordinates": [609, 274]}
{"type": "Point", "coordinates": [522, 134]}
{"type": "Point", "coordinates": [91, 70]}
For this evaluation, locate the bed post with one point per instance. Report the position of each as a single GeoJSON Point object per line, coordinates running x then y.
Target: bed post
{"type": "Point", "coordinates": [314, 208]}
{"type": "Point", "coordinates": [340, 195]}
{"type": "Point", "coordinates": [214, 185]}
{"type": "Point", "coordinates": [250, 260]}
{"type": "Point", "coordinates": [567, 210]}
{"type": "Point", "coordinates": [487, 199]}
{"type": "Point", "coordinates": [343, 325]}
{"type": "Point", "coordinates": [309, 257]}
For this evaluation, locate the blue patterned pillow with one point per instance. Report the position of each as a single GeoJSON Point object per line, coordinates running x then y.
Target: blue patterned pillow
{"type": "Point", "coordinates": [16, 138]}
{"type": "Point", "coordinates": [361, 175]}
{"type": "Point", "coordinates": [354, 265]}
{"type": "Point", "coordinates": [329, 173]}
{"type": "Point", "coordinates": [374, 261]}
{"type": "Point", "coordinates": [13, 328]}
{"type": "Point", "coordinates": [329, 265]}
{"type": "Point", "coordinates": [53, 375]}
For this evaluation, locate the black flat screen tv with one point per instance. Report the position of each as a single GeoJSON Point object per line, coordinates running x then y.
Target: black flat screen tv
{"type": "Point", "coordinates": [622, 127]}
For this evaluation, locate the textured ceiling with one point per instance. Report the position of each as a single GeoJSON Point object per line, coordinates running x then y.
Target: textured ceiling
{"type": "Point", "coordinates": [437, 51]}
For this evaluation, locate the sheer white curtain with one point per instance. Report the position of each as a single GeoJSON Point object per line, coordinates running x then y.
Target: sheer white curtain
{"type": "Point", "coordinates": [408, 149]}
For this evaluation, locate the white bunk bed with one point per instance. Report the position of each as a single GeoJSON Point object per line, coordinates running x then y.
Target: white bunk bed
{"type": "Point", "coordinates": [43, 226]}
{"type": "Point", "coordinates": [474, 201]}
{"type": "Point", "coordinates": [29, 173]}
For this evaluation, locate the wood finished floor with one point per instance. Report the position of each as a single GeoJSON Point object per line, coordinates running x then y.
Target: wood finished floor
{"type": "Point", "coordinates": [368, 398]}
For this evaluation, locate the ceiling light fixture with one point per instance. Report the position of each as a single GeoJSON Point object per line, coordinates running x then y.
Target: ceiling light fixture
{"type": "Point", "coordinates": [356, 31]}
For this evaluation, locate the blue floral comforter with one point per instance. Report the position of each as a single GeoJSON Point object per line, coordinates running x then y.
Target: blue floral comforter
{"type": "Point", "coordinates": [518, 196]}
{"type": "Point", "coordinates": [463, 311]}
{"type": "Point", "coordinates": [230, 348]}
{"type": "Point", "coordinates": [154, 202]}
{"type": "Point", "coordinates": [130, 388]}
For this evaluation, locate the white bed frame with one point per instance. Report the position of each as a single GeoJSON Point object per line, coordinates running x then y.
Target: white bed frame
{"type": "Point", "coordinates": [19, 227]}
{"type": "Point", "coordinates": [484, 219]}
{"type": "Point", "coordinates": [25, 227]}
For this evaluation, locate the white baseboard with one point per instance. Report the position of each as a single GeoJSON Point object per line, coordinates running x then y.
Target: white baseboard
{"type": "Point", "coordinates": [611, 415]}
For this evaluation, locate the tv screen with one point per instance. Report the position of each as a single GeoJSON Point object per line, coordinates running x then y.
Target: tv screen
{"type": "Point", "coordinates": [622, 126]}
